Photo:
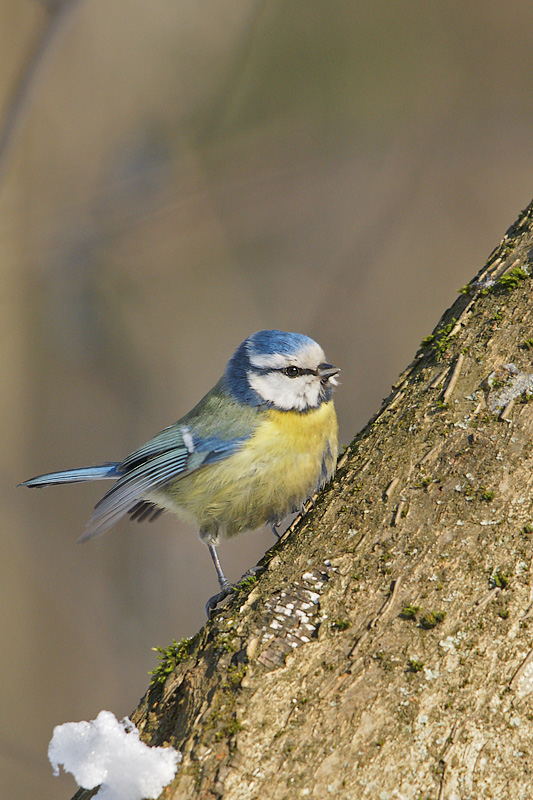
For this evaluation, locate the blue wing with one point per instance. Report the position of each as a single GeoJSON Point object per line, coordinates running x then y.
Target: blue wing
{"type": "Point", "coordinates": [169, 456]}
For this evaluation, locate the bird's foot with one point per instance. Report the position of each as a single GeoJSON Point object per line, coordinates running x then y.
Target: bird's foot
{"type": "Point", "coordinates": [274, 529]}
{"type": "Point", "coordinates": [227, 589]}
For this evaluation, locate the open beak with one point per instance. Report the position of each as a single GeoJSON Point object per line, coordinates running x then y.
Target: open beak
{"type": "Point", "coordinates": [327, 371]}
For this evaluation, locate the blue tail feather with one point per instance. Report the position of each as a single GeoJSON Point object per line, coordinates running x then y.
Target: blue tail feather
{"type": "Point", "coordinates": [96, 473]}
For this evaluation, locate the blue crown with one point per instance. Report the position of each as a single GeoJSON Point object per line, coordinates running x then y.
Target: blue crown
{"type": "Point", "coordinates": [260, 343]}
{"type": "Point", "coordinates": [267, 342]}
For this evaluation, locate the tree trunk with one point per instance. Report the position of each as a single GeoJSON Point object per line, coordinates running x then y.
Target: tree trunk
{"type": "Point", "coordinates": [386, 649]}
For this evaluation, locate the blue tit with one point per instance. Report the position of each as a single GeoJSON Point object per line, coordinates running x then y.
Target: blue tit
{"type": "Point", "coordinates": [254, 449]}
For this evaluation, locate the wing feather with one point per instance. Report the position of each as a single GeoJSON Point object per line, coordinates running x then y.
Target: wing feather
{"type": "Point", "coordinates": [151, 467]}
{"type": "Point", "coordinates": [170, 438]}
{"type": "Point", "coordinates": [134, 486]}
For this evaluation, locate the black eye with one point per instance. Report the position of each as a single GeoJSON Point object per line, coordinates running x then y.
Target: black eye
{"type": "Point", "coordinates": [291, 372]}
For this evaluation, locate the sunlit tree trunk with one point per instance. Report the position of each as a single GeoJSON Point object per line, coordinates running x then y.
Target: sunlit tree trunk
{"type": "Point", "coordinates": [386, 649]}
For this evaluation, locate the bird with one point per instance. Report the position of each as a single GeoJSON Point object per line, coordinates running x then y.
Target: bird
{"type": "Point", "coordinates": [255, 448]}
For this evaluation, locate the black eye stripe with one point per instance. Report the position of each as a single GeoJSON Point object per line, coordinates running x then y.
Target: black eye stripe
{"type": "Point", "coordinates": [294, 371]}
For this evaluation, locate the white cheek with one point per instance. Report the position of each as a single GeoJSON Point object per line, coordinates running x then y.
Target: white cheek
{"type": "Point", "coordinates": [286, 393]}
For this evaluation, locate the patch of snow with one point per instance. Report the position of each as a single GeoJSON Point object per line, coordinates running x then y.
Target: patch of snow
{"type": "Point", "coordinates": [110, 754]}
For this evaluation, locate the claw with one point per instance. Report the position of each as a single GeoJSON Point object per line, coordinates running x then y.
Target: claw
{"type": "Point", "coordinates": [213, 602]}
{"type": "Point", "coordinates": [273, 528]}
{"type": "Point", "coordinates": [229, 588]}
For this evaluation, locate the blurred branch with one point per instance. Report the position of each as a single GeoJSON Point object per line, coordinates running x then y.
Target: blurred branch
{"type": "Point", "coordinates": [19, 100]}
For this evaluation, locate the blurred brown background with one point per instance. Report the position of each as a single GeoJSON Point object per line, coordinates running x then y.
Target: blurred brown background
{"type": "Point", "coordinates": [177, 175]}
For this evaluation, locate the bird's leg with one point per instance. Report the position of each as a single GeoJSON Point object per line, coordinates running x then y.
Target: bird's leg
{"type": "Point", "coordinates": [226, 588]}
{"type": "Point", "coordinates": [222, 580]}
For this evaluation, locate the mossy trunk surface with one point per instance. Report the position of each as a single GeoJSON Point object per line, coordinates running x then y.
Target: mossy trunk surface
{"type": "Point", "coordinates": [386, 649]}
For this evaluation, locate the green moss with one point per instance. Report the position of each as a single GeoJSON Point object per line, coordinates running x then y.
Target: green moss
{"type": "Point", "coordinates": [235, 675]}
{"type": "Point", "coordinates": [437, 343]}
{"type": "Point", "coordinates": [245, 585]}
{"type": "Point", "coordinates": [479, 493]}
{"type": "Point", "coordinates": [507, 283]}
{"type": "Point", "coordinates": [414, 665]}
{"type": "Point", "coordinates": [224, 642]}
{"type": "Point", "coordinates": [528, 528]}
{"type": "Point", "coordinates": [339, 624]}
{"type": "Point", "coordinates": [223, 717]}
{"type": "Point", "coordinates": [432, 619]}
{"type": "Point", "coordinates": [230, 729]}
{"type": "Point", "coordinates": [500, 580]}
{"type": "Point", "coordinates": [528, 344]}
{"type": "Point", "coordinates": [512, 280]}
{"type": "Point", "coordinates": [170, 657]}
{"type": "Point", "coordinates": [409, 612]}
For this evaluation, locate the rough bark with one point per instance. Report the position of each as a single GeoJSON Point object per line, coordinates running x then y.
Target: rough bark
{"type": "Point", "coordinates": [386, 649]}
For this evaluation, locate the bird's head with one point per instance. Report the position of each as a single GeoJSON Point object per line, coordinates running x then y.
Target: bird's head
{"type": "Point", "coordinates": [285, 370]}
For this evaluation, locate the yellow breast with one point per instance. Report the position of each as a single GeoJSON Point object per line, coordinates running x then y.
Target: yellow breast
{"type": "Point", "coordinates": [289, 456]}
